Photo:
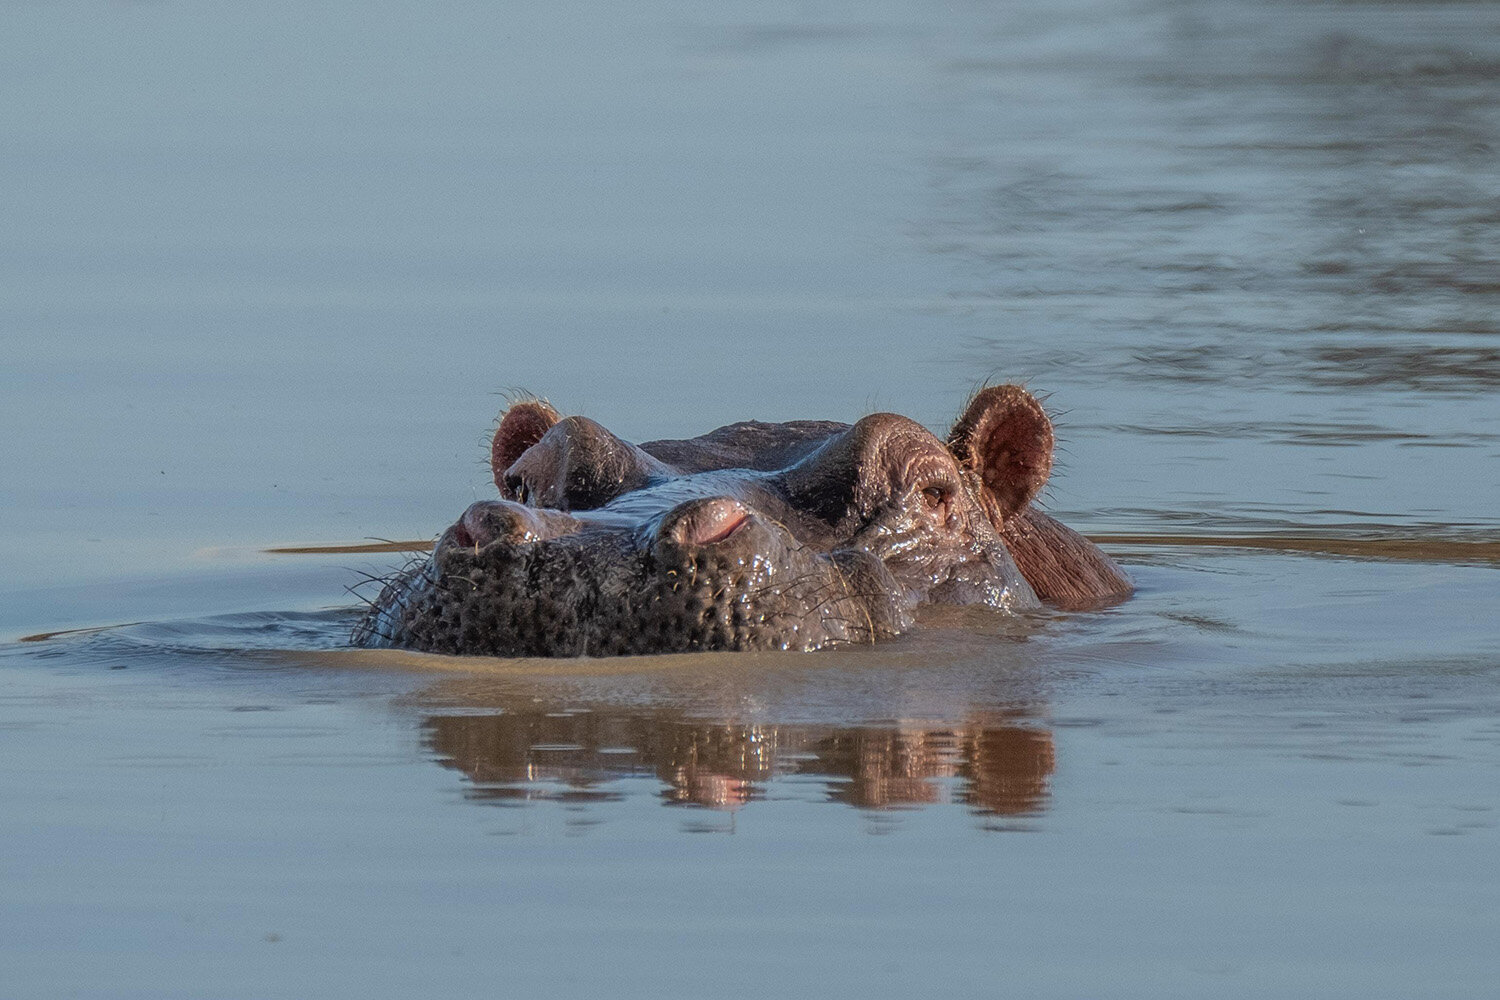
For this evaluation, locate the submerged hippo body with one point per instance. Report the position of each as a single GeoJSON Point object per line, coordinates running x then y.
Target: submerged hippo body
{"type": "Point", "coordinates": [754, 536]}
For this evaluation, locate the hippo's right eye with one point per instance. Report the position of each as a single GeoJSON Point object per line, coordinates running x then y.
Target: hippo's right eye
{"type": "Point", "coordinates": [516, 486]}
{"type": "Point", "coordinates": [938, 498]}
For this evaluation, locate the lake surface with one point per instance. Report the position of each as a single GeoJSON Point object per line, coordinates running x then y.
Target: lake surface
{"type": "Point", "coordinates": [267, 273]}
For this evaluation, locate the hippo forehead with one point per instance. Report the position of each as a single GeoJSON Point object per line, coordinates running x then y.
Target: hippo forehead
{"type": "Point", "coordinates": [646, 507]}
{"type": "Point", "coordinates": [799, 472]}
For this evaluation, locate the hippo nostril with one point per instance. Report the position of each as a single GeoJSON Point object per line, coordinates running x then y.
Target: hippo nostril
{"type": "Point", "coordinates": [721, 529]}
{"type": "Point", "coordinates": [495, 520]}
{"type": "Point", "coordinates": [705, 522]}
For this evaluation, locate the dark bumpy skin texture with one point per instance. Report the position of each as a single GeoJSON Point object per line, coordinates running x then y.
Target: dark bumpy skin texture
{"type": "Point", "coordinates": [754, 536]}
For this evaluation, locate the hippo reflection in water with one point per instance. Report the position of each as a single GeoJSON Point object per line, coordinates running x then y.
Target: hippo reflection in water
{"type": "Point", "coordinates": [996, 763]}
{"type": "Point", "coordinates": [754, 536]}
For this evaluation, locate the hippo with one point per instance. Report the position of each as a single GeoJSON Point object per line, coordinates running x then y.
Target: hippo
{"type": "Point", "coordinates": [784, 536]}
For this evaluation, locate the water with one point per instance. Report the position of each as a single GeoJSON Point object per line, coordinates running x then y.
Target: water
{"type": "Point", "coordinates": [266, 272]}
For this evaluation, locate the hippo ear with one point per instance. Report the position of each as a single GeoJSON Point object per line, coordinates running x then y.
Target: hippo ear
{"type": "Point", "coordinates": [578, 465]}
{"type": "Point", "coordinates": [1005, 439]}
{"type": "Point", "coordinates": [521, 426]}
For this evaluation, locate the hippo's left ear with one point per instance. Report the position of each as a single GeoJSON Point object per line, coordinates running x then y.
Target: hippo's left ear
{"type": "Point", "coordinates": [522, 425]}
{"type": "Point", "coordinates": [1005, 439]}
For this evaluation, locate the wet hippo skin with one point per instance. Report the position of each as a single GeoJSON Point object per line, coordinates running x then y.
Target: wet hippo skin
{"type": "Point", "coordinates": [790, 536]}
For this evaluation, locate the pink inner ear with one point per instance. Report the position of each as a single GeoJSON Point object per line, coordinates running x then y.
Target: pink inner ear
{"type": "Point", "coordinates": [1006, 438]}
{"type": "Point", "coordinates": [523, 425]}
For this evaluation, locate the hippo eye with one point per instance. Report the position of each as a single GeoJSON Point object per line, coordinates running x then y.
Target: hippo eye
{"type": "Point", "coordinates": [936, 497]}
{"type": "Point", "coordinates": [518, 488]}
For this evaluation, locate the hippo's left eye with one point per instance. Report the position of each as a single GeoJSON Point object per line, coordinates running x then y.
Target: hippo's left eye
{"type": "Point", "coordinates": [936, 497]}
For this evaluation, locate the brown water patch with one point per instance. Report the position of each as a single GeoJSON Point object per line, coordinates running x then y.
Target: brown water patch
{"type": "Point", "coordinates": [45, 636]}
{"type": "Point", "coordinates": [948, 635]}
{"type": "Point", "coordinates": [1441, 550]}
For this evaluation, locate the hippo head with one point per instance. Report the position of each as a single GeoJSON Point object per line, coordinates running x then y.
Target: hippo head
{"type": "Point", "coordinates": [754, 536]}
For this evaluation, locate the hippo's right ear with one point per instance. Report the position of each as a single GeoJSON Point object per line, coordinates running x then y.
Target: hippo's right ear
{"type": "Point", "coordinates": [1005, 439]}
{"type": "Point", "coordinates": [521, 426]}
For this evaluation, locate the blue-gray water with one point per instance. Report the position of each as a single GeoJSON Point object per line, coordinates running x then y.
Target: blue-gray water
{"type": "Point", "coordinates": [265, 271]}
